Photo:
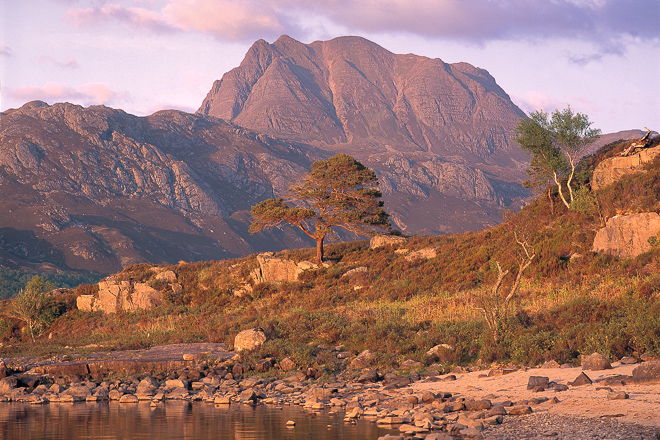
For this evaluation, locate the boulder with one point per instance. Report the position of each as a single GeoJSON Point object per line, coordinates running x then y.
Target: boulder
{"type": "Point", "coordinates": [7, 384]}
{"type": "Point", "coordinates": [537, 382]}
{"type": "Point", "coordinates": [551, 364]}
{"type": "Point", "coordinates": [612, 169]}
{"type": "Point", "coordinates": [355, 271]}
{"type": "Point", "coordinates": [287, 364]}
{"type": "Point", "coordinates": [368, 376]}
{"type": "Point", "coordinates": [81, 392]}
{"type": "Point", "coordinates": [628, 235]}
{"type": "Point", "coordinates": [249, 339]}
{"type": "Point", "coordinates": [277, 270]}
{"type": "Point", "coordinates": [648, 372]}
{"type": "Point", "coordinates": [4, 371]}
{"type": "Point", "coordinates": [422, 254]}
{"type": "Point", "coordinates": [363, 360]}
{"type": "Point", "coordinates": [167, 275]}
{"type": "Point", "coordinates": [386, 240]}
{"type": "Point", "coordinates": [115, 295]}
{"type": "Point", "coordinates": [520, 410]}
{"type": "Point", "coordinates": [582, 379]}
{"type": "Point", "coordinates": [595, 362]}
{"type": "Point", "coordinates": [85, 303]}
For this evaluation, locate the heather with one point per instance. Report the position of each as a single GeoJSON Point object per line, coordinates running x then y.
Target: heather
{"type": "Point", "coordinates": [571, 301]}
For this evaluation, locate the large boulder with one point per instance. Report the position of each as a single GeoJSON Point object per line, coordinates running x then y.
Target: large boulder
{"type": "Point", "coordinates": [595, 362]}
{"type": "Point", "coordinates": [249, 339]}
{"type": "Point", "coordinates": [612, 169]}
{"type": "Point", "coordinates": [120, 295]}
{"type": "Point", "coordinates": [627, 236]}
{"type": "Point", "coordinates": [386, 240]}
{"type": "Point", "coordinates": [648, 372]}
{"type": "Point", "coordinates": [278, 270]}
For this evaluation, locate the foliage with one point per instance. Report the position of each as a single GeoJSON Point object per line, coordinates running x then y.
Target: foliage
{"type": "Point", "coordinates": [338, 192]}
{"type": "Point", "coordinates": [556, 145]}
{"type": "Point", "coordinates": [32, 305]}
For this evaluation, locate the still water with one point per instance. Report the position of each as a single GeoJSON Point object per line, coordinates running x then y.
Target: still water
{"type": "Point", "coordinates": [175, 420]}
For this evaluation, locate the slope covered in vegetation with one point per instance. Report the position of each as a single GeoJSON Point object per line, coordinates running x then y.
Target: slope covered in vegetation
{"type": "Point", "coordinates": [570, 301]}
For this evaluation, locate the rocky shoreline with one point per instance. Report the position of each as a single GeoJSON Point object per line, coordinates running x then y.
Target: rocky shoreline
{"type": "Point", "coordinates": [434, 407]}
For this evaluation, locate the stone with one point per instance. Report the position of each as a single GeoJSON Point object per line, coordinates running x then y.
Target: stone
{"type": "Point", "coordinates": [477, 405]}
{"type": "Point", "coordinates": [551, 364]}
{"type": "Point", "coordinates": [582, 379]}
{"type": "Point", "coordinates": [167, 276]}
{"type": "Point", "coordinates": [369, 376]}
{"type": "Point", "coordinates": [627, 235]}
{"type": "Point", "coordinates": [617, 395]}
{"type": "Point", "coordinates": [627, 360]}
{"type": "Point", "coordinates": [7, 384]}
{"type": "Point", "coordinates": [363, 360]}
{"type": "Point", "coordinates": [287, 364]}
{"type": "Point", "coordinates": [240, 369]}
{"type": "Point", "coordinates": [392, 437]}
{"type": "Point", "coordinates": [355, 271]}
{"type": "Point", "coordinates": [386, 240]}
{"type": "Point", "coordinates": [128, 398]}
{"type": "Point", "coordinates": [471, 434]}
{"type": "Point", "coordinates": [647, 372]}
{"type": "Point", "coordinates": [395, 380]}
{"type": "Point", "coordinates": [520, 410]}
{"type": "Point", "coordinates": [422, 254]}
{"type": "Point", "coordinates": [248, 395]}
{"type": "Point", "coordinates": [85, 303]}
{"type": "Point", "coordinates": [264, 365]}
{"type": "Point", "coordinates": [439, 436]}
{"type": "Point", "coordinates": [497, 410]}
{"type": "Point", "coordinates": [275, 270]}
{"type": "Point", "coordinates": [409, 363]}
{"type": "Point", "coordinates": [176, 383]}
{"type": "Point", "coordinates": [81, 392]}
{"type": "Point", "coordinates": [612, 169]}
{"type": "Point", "coordinates": [535, 382]}
{"type": "Point", "coordinates": [249, 339]}
{"type": "Point", "coordinates": [595, 362]}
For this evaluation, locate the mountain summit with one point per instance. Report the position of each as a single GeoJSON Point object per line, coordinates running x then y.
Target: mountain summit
{"type": "Point", "coordinates": [349, 94]}
{"type": "Point", "coordinates": [439, 135]}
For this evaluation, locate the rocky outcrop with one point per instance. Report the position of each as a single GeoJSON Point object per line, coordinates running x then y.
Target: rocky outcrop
{"type": "Point", "coordinates": [386, 240]}
{"type": "Point", "coordinates": [612, 169]}
{"type": "Point", "coordinates": [278, 270]}
{"type": "Point", "coordinates": [117, 295]}
{"type": "Point", "coordinates": [627, 236]}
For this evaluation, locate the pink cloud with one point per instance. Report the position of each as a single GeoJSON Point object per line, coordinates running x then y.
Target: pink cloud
{"type": "Point", "coordinates": [5, 51]}
{"type": "Point", "coordinates": [232, 19]}
{"type": "Point", "coordinates": [85, 94]}
{"type": "Point", "coordinates": [139, 18]}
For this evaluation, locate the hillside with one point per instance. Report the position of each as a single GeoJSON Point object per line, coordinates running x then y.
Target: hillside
{"type": "Point", "coordinates": [401, 300]}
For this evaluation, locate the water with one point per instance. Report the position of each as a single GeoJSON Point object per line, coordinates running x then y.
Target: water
{"type": "Point", "coordinates": [175, 420]}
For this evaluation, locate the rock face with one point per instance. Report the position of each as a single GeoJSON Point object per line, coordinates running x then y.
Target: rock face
{"type": "Point", "coordinates": [428, 128]}
{"type": "Point", "coordinates": [249, 339]}
{"type": "Point", "coordinates": [627, 236]}
{"type": "Point", "coordinates": [277, 270]}
{"type": "Point", "coordinates": [117, 295]}
{"type": "Point", "coordinates": [612, 169]}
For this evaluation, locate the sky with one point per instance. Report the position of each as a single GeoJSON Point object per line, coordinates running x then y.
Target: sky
{"type": "Point", "coordinates": [601, 57]}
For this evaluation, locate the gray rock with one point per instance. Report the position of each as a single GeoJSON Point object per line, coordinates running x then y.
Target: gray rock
{"type": "Point", "coordinates": [647, 372]}
{"type": "Point", "coordinates": [535, 382]}
{"type": "Point", "coordinates": [595, 362]}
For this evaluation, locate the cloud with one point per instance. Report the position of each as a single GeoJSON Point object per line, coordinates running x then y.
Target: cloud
{"type": "Point", "coordinates": [138, 18]}
{"type": "Point", "coordinates": [70, 63]}
{"type": "Point", "coordinates": [474, 21]}
{"type": "Point", "coordinates": [85, 94]}
{"type": "Point", "coordinates": [5, 51]}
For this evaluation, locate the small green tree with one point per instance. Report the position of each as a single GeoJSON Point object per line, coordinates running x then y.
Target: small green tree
{"type": "Point", "coordinates": [338, 192]}
{"type": "Point", "coordinates": [31, 305]}
{"type": "Point", "coordinates": [556, 145]}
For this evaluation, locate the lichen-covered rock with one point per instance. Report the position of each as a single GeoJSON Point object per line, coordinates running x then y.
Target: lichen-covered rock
{"type": "Point", "coordinates": [386, 240]}
{"type": "Point", "coordinates": [249, 339]}
{"type": "Point", "coordinates": [612, 169]}
{"type": "Point", "coordinates": [627, 236]}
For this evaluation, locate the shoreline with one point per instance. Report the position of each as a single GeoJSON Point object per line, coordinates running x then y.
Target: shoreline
{"type": "Point", "coordinates": [483, 404]}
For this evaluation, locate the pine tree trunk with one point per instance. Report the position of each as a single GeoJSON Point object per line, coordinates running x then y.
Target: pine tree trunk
{"type": "Point", "coordinates": [319, 250]}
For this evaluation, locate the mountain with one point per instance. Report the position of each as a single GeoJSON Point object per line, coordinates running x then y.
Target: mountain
{"type": "Point", "coordinates": [430, 129]}
{"type": "Point", "coordinates": [98, 189]}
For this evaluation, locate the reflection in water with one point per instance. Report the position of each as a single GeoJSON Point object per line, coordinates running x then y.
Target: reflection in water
{"type": "Point", "coordinates": [174, 420]}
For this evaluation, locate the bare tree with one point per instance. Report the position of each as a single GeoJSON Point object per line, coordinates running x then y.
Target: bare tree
{"type": "Point", "coordinates": [496, 309]}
